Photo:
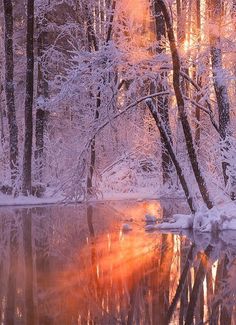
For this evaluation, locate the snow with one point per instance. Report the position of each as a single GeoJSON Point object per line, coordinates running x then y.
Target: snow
{"type": "Point", "coordinates": [222, 217]}
{"type": "Point", "coordinates": [127, 180]}
{"type": "Point", "coordinates": [178, 221]}
{"type": "Point", "coordinates": [150, 219]}
{"type": "Point", "coordinates": [219, 218]}
{"type": "Point", "coordinates": [48, 198]}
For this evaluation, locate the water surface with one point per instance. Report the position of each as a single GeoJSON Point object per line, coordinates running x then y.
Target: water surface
{"type": "Point", "coordinates": [75, 265]}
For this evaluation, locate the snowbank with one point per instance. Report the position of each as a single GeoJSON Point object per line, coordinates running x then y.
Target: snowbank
{"type": "Point", "coordinates": [221, 217]}
{"type": "Point", "coordinates": [47, 198]}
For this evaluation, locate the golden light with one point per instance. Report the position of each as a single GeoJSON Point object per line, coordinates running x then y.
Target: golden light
{"type": "Point", "coordinates": [138, 34]}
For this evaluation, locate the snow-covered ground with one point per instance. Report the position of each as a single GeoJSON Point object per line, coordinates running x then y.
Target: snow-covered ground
{"type": "Point", "coordinates": [49, 198]}
{"type": "Point", "coordinates": [9, 200]}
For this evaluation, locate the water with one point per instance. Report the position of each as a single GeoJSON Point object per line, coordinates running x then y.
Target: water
{"type": "Point", "coordinates": [75, 265]}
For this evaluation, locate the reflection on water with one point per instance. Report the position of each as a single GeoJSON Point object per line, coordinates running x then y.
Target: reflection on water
{"type": "Point", "coordinates": [74, 265]}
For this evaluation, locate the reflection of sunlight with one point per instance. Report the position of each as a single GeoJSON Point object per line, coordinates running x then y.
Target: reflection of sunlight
{"type": "Point", "coordinates": [114, 273]}
{"type": "Point", "coordinates": [120, 262]}
{"type": "Point", "coordinates": [108, 276]}
{"type": "Point", "coordinates": [139, 210]}
{"type": "Point", "coordinates": [153, 208]}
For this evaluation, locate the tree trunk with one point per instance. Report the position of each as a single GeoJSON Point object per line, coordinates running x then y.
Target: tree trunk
{"type": "Point", "coordinates": [198, 111]}
{"type": "Point", "coordinates": [1, 116]}
{"type": "Point", "coordinates": [171, 152]}
{"type": "Point", "coordinates": [163, 102]}
{"type": "Point", "coordinates": [41, 113]}
{"type": "Point", "coordinates": [215, 13]}
{"type": "Point", "coordinates": [111, 18]}
{"type": "Point", "coordinates": [27, 158]}
{"type": "Point", "coordinates": [9, 89]}
{"type": "Point", "coordinates": [182, 111]}
{"type": "Point", "coordinates": [93, 152]}
{"type": "Point", "coordinates": [93, 45]}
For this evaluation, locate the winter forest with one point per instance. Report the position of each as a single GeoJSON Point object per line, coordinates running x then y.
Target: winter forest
{"type": "Point", "coordinates": [117, 162]}
{"type": "Point", "coordinates": [114, 96]}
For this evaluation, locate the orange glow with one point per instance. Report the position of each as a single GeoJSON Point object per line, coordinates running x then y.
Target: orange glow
{"type": "Point", "coordinates": [109, 269]}
{"type": "Point", "coordinates": [137, 11]}
{"type": "Point", "coordinates": [137, 211]}
{"type": "Point", "coordinates": [137, 34]}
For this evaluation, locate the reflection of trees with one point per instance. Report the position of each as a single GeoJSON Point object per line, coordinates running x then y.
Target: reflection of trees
{"type": "Point", "coordinates": [198, 282]}
{"type": "Point", "coordinates": [43, 233]}
{"type": "Point", "coordinates": [182, 286]}
{"type": "Point", "coordinates": [17, 294]}
{"type": "Point", "coordinates": [29, 274]}
{"type": "Point", "coordinates": [11, 281]}
{"type": "Point", "coordinates": [219, 309]}
{"type": "Point", "coordinates": [61, 267]}
{"type": "Point", "coordinates": [213, 295]}
{"type": "Point", "coordinates": [163, 274]}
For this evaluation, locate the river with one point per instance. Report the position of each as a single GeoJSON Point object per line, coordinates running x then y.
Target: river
{"type": "Point", "coordinates": [76, 265]}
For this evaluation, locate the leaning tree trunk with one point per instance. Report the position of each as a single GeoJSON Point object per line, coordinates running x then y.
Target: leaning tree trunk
{"type": "Point", "coordinates": [163, 102]}
{"type": "Point", "coordinates": [27, 158]}
{"type": "Point", "coordinates": [215, 13]}
{"type": "Point", "coordinates": [181, 108]}
{"type": "Point", "coordinates": [162, 129]}
{"type": "Point", "coordinates": [9, 89]}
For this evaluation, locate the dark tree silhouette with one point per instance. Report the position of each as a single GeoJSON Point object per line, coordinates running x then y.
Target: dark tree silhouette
{"type": "Point", "coordinates": [27, 158]}
{"type": "Point", "coordinates": [9, 88]}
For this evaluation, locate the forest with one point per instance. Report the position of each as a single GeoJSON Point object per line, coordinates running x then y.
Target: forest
{"type": "Point", "coordinates": [117, 162]}
{"type": "Point", "coordinates": [108, 96]}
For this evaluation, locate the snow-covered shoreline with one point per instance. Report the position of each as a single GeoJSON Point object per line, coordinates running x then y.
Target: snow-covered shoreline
{"type": "Point", "coordinates": [220, 217]}
{"type": "Point", "coordinates": [49, 198]}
